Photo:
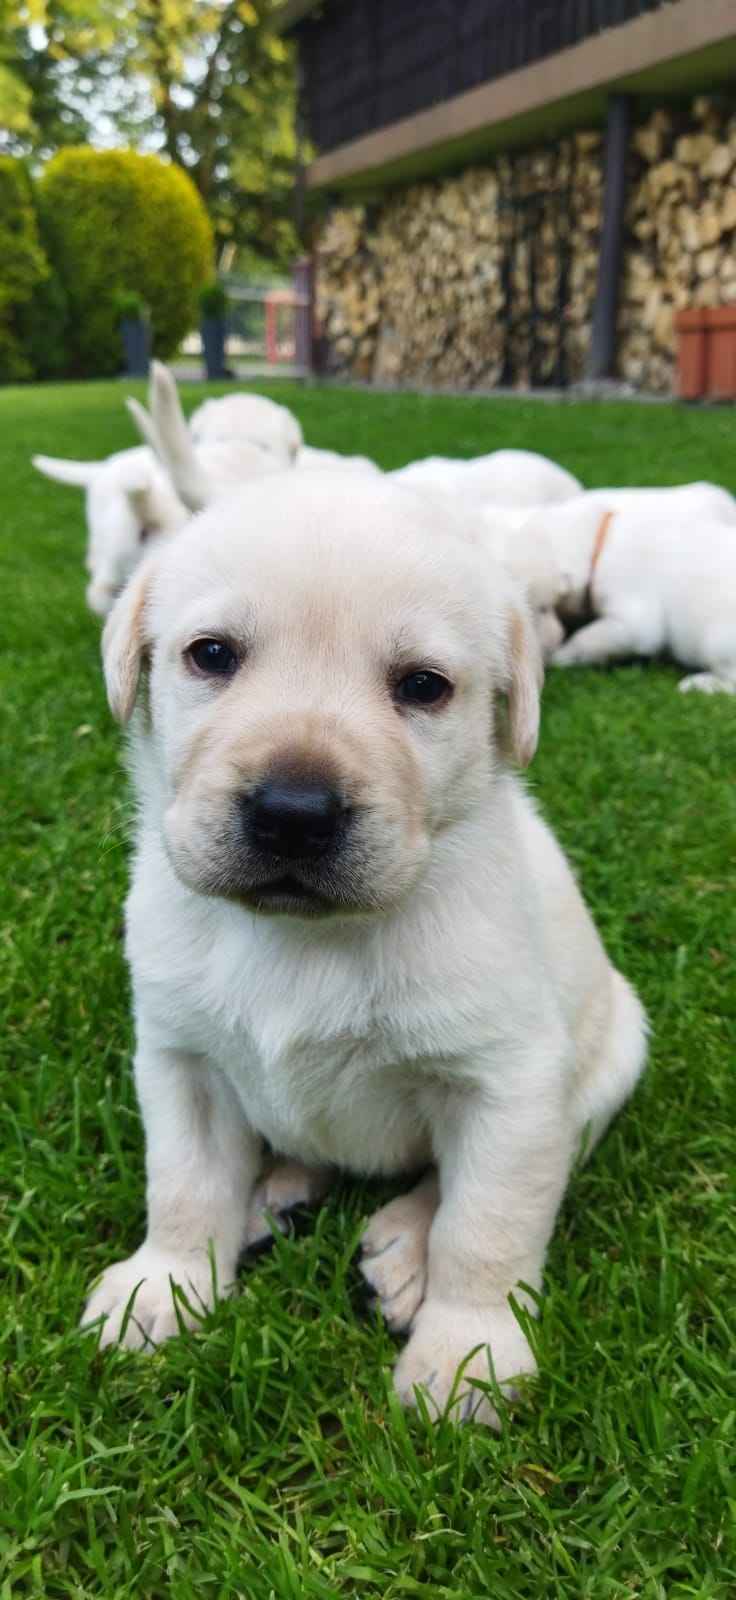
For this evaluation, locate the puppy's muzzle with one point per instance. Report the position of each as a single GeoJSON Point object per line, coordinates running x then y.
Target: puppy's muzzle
{"type": "Point", "coordinates": [293, 820]}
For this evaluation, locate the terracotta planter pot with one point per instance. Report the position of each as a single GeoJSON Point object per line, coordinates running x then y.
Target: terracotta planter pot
{"type": "Point", "coordinates": [720, 376]}
{"type": "Point", "coordinates": [706, 353]}
{"type": "Point", "coordinates": [691, 328]}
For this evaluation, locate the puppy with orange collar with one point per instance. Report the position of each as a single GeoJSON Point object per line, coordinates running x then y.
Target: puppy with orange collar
{"type": "Point", "coordinates": [654, 582]}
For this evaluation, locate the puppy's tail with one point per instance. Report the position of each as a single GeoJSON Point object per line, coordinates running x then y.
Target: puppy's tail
{"type": "Point", "coordinates": [167, 430]}
{"type": "Point", "coordinates": [80, 474]}
{"type": "Point", "coordinates": [144, 423]}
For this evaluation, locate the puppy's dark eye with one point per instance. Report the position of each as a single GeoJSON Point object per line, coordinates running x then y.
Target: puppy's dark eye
{"type": "Point", "coordinates": [422, 689]}
{"type": "Point", "coordinates": [212, 658]}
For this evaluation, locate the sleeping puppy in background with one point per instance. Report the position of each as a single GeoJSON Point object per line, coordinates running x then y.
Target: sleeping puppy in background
{"type": "Point", "coordinates": [653, 583]}
{"type": "Point", "coordinates": [504, 477]}
{"type": "Point", "coordinates": [708, 502]}
{"type": "Point", "coordinates": [263, 422]}
{"type": "Point", "coordinates": [352, 937]}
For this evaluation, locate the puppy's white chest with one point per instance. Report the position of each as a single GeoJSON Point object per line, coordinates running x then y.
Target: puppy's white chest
{"type": "Point", "coordinates": [334, 1103]}
{"type": "Point", "coordinates": [322, 1068]}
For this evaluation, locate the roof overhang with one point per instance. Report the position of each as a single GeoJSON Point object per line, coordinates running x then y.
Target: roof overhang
{"type": "Point", "coordinates": [690, 45]}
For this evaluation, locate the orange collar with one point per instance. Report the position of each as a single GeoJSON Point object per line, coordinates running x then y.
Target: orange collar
{"type": "Point", "coordinates": [598, 548]}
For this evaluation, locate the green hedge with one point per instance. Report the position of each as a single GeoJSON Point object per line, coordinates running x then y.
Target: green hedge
{"type": "Point", "coordinates": [43, 322]}
{"type": "Point", "coordinates": [119, 221]}
{"type": "Point", "coordinates": [23, 267]}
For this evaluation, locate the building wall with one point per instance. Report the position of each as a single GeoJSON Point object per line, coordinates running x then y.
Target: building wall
{"type": "Point", "coordinates": [368, 62]}
{"type": "Point", "coordinates": [489, 276]}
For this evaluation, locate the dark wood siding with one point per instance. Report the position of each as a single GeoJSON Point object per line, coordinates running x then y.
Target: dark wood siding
{"type": "Point", "coordinates": [370, 62]}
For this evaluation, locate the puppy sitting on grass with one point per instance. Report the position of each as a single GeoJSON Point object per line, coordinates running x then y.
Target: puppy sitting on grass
{"type": "Point", "coordinates": [350, 933]}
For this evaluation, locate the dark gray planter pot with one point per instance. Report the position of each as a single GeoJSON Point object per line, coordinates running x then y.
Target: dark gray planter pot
{"type": "Point", "coordinates": [136, 337]}
{"type": "Point", "coordinates": [213, 330]}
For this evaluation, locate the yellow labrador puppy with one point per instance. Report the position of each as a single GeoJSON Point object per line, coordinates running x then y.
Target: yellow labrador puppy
{"type": "Point", "coordinates": [352, 937]}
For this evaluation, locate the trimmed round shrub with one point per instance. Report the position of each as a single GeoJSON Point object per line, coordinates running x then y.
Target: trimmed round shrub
{"type": "Point", "coordinates": [120, 222]}
{"type": "Point", "coordinates": [23, 266]}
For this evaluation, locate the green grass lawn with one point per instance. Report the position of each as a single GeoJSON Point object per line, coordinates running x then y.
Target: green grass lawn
{"type": "Point", "coordinates": [265, 1458]}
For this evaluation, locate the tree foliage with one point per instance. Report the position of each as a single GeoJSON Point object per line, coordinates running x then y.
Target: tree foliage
{"type": "Point", "coordinates": [15, 94]}
{"type": "Point", "coordinates": [60, 67]}
{"type": "Point", "coordinates": [222, 88]}
{"type": "Point", "coordinates": [206, 82]}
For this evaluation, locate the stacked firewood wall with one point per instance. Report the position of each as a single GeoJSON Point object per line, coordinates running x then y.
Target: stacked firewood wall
{"type": "Point", "coordinates": [437, 285]}
{"type": "Point", "coordinates": [489, 277]}
{"type": "Point", "coordinates": [681, 221]}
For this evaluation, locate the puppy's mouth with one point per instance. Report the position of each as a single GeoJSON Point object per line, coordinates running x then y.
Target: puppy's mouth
{"type": "Point", "coordinates": [289, 895]}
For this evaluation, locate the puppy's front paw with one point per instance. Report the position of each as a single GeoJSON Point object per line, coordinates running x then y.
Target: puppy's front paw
{"type": "Point", "coordinates": [706, 683]}
{"type": "Point", "coordinates": [565, 656]}
{"type": "Point", "coordinates": [136, 1300]}
{"type": "Point", "coordinates": [394, 1255]}
{"type": "Point", "coordinates": [442, 1339]}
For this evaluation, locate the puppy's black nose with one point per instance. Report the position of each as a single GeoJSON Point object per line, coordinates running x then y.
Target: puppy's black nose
{"type": "Point", "coordinates": [294, 819]}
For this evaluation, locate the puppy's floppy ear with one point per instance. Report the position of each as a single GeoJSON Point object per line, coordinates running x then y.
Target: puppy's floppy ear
{"type": "Point", "coordinates": [523, 681]}
{"type": "Point", "coordinates": [124, 640]}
